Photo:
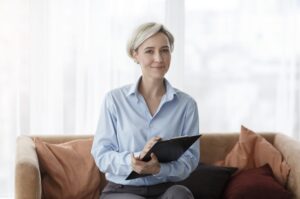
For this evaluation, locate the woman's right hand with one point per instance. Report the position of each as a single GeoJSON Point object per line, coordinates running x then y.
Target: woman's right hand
{"type": "Point", "coordinates": [148, 146]}
{"type": "Point", "coordinates": [141, 167]}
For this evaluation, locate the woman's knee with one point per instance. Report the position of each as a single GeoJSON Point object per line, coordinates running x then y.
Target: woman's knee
{"type": "Point", "coordinates": [177, 191]}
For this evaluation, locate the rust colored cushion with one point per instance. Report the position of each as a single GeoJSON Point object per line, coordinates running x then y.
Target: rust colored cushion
{"type": "Point", "coordinates": [253, 151]}
{"type": "Point", "coordinates": [68, 169]}
{"type": "Point", "coordinates": [258, 183]}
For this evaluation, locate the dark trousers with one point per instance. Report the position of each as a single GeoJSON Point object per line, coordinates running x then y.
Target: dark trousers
{"type": "Point", "coordinates": [159, 191]}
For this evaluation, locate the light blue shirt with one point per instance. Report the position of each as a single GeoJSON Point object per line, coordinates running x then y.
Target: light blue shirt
{"type": "Point", "coordinates": [125, 125]}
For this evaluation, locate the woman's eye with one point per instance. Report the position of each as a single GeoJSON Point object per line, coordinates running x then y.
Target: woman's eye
{"type": "Point", "coordinates": [165, 50]}
{"type": "Point", "coordinates": [149, 51]}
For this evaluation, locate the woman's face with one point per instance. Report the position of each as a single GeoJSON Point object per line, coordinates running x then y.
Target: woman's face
{"type": "Point", "coordinates": [154, 56]}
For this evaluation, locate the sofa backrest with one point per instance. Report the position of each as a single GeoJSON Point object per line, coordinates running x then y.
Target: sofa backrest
{"type": "Point", "coordinates": [215, 146]}
{"type": "Point", "coordinates": [57, 139]}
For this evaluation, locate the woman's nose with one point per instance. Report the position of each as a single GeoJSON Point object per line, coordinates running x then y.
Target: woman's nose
{"type": "Point", "coordinates": [157, 57]}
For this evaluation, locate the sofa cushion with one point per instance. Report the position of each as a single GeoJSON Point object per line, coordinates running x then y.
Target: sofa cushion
{"type": "Point", "coordinates": [68, 169]}
{"type": "Point", "coordinates": [258, 183]}
{"type": "Point", "coordinates": [253, 151]}
{"type": "Point", "coordinates": [208, 181]}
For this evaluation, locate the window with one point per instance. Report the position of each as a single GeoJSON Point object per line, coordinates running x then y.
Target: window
{"type": "Point", "coordinates": [239, 59]}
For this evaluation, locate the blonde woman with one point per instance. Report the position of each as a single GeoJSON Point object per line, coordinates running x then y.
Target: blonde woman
{"type": "Point", "coordinates": [136, 116]}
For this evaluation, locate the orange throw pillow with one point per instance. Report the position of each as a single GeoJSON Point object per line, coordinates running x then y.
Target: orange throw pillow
{"type": "Point", "coordinates": [253, 151]}
{"type": "Point", "coordinates": [68, 170]}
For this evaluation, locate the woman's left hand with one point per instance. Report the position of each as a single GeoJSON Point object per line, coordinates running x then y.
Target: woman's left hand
{"type": "Point", "coordinates": [141, 167]}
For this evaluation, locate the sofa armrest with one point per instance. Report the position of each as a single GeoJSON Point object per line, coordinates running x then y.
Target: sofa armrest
{"type": "Point", "coordinates": [27, 171]}
{"type": "Point", "coordinates": [290, 149]}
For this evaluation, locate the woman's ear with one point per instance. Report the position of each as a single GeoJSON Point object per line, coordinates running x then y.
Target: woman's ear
{"type": "Point", "coordinates": [134, 56]}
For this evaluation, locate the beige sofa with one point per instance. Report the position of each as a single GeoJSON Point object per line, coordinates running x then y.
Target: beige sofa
{"type": "Point", "coordinates": [213, 147]}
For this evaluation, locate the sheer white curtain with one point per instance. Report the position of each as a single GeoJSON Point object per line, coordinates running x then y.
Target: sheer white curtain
{"type": "Point", "coordinates": [239, 59]}
{"type": "Point", "coordinates": [60, 58]}
{"type": "Point", "coordinates": [242, 64]}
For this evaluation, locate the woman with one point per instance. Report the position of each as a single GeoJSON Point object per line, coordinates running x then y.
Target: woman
{"type": "Point", "coordinates": [135, 117]}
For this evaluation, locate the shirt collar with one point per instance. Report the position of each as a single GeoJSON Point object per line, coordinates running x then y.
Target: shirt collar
{"type": "Point", "coordinates": [170, 91]}
{"type": "Point", "coordinates": [133, 89]}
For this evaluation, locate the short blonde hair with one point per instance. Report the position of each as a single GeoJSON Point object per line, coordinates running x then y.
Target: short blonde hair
{"type": "Point", "coordinates": [144, 32]}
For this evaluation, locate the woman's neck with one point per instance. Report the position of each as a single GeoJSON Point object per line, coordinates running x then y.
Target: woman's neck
{"type": "Point", "coordinates": [150, 88]}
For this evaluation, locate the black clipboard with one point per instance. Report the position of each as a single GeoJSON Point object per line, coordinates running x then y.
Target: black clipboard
{"type": "Point", "coordinates": [167, 151]}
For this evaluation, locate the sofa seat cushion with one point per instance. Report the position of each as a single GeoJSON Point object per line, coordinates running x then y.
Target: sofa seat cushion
{"type": "Point", "coordinates": [253, 151]}
{"type": "Point", "coordinates": [258, 183]}
{"type": "Point", "coordinates": [208, 181]}
{"type": "Point", "coordinates": [68, 169]}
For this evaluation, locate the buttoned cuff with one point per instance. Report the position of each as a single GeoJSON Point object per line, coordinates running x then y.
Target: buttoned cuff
{"type": "Point", "coordinates": [137, 154]}
{"type": "Point", "coordinates": [164, 170]}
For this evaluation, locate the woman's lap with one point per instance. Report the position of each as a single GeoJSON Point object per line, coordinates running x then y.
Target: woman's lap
{"type": "Point", "coordinates": [161, 191]}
